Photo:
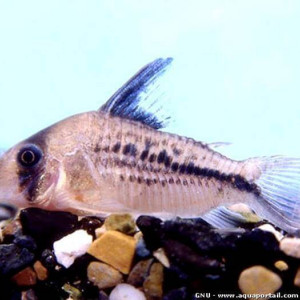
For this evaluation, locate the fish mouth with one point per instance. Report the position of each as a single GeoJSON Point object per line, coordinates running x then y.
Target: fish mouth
{"type": "Point", "coordinates": [7, 211]}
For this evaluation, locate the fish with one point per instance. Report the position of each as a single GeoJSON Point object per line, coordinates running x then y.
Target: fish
{"type": "Point", "coordinates": [117, 159]}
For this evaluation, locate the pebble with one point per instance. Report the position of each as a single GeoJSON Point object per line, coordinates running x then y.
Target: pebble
{"type": "Point", "coordinates": [29, 295]}
{"type": "Point", "coordinates": [115, 249]}
{"type": "Point", "coordinates": [72, 246]}
{"type": "Point", "coordinates": [297, 278]}
{"type": "Point", "coordinates": [124, 291]}
{"type": "Point", "coordinates": [241, 208]}
{"type": "Point", "coordinates": [270, 228]}
{"type": "Point", "coordinates": [12, 258]}
{"type": "Point", "coordinates": [290, 246]}
{"type": "Point", "coordinates": [281, 265]}
{"type": "Point", "coordinates": [103, 275]}
{"type": "Point", "coordinates": [99, 231]}
{"type": "Point", "coordinates": [47, 226]}
{"type": "Point", "coordinates": [103, 296]}
{"type": "Point", "coordinates": [153, 284]}
{"type": "Point", "coordinates": [40, 270]}
{"type": "Point", "coordinates": [151, 228]}
{"type": "Point", "coordinates": [120, 222]}
{"type": "Point", "coordinates": [246, 212]}
{"type": "Point", "coordinates": [12, 228]}
{"type": "Point", "coordinates": [48, 259]}
{"type": "Point", "coordinates": [259, 280]}
{"type": "Point", "coordinates": [26, 277]}
{"type": "Point", "coordinates": [182, 255]}
{"type": "Point", "coordinates": [255, 247]}
{"type": "Point", "coordinates": [25, 241]}
{"type": "Point", "coordinates": [160, 255]}
{"type": "Point", "coordinates": [139, 272]}
{"type": "Point", "coordinates": [90, 225]}
{"type": "Point", "coordinates": [74, 293]}
{"type": "Point", "coordinates": [141, 249]}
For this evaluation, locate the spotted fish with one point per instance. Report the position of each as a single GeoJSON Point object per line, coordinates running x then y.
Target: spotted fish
{"type": "Point", "coordinates": [116, 160]}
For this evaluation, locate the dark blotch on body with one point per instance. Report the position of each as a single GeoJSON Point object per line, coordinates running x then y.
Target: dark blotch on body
{"type": "Point", "coordinates": [130, 149]}
{"type": "Point", "coordinates": [237, 181]}
{"type": "Point", "coordinates": [190, 168]}
{"type": "Point", "coordinates": [175, 166]}
{"type": "Point", "coordinates": [161, 156]}
{"type": "Point", "coordinates": [144, 154]}
{"type": "Point", "coordinates": [182, 168]}
{"type": "Point", "coordinates": [116, 147]}
{"type": "Point", "coordinates": [152, 157]}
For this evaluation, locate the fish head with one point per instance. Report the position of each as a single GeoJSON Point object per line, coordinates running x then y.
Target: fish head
{"type": "Point", "coordinates": [47, 169]}
{"type": "Point", "coordinates": [28, 173]}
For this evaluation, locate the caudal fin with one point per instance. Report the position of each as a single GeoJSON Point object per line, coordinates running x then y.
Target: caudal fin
{"type": "Point", "coordinates": [279, 185]}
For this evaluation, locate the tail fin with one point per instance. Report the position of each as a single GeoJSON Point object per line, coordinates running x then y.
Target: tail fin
{"type": "Point", "coordinates": [279, 185]}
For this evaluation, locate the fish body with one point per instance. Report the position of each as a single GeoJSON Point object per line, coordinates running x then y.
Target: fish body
{"type": "Point", "coordinates": [114, 160]}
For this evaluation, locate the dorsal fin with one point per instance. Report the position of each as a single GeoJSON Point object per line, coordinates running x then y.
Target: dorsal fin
{"type": "Point", "coordinates": [137, 98]}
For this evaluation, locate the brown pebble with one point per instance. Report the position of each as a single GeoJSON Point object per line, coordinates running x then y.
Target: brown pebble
{"type": "Point", "coordinates": [120, 222]}
{"type": "Point", "coordinates": [11, 227]}
{"type": "Point", "coordinates": [259, 280]}
{"type": "Point", "coordinates": [26, 277]}
{"type": "Point", "coordinates": [139, 272]}
{"type": "Point", "coordinates": [115, 249]}
{"type": "Point", "coordinates": [281, 265]}
{"type": "Point", "coordinates": [153, 285]}
{"type": "Point", "coordinates": [103, 275]}
{"type": "Point", "coordinates": [41, 271]}
{"type": "Point", "coordinates": [297, 278]}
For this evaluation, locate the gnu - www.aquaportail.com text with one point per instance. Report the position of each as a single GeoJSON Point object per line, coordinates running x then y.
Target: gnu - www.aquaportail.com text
{"type": "Point", "coordinates": [246, 296]}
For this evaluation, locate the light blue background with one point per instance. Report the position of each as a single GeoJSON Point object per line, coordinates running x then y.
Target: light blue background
{"type": "Point", "coordinates": [237, 70]}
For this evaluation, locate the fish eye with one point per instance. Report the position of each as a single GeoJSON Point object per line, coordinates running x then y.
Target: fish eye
{"type": "Point", "coordinates": [29, 156]}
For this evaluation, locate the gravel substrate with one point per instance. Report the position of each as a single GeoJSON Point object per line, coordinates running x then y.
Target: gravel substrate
{"type": "Point", "coordinates": [56, 255]}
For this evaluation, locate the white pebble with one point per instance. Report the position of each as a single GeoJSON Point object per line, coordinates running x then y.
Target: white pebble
{"type": "Point", "coordinates": [270, 228]}
{"type": "Point", "coordinates": [124, 291]}
{"type": "Point", "coordinates": [290, 246]}
{"type": "Point", "coordinates": [161, 256]}
{"type": "Point", "coordinates": [72, 246]}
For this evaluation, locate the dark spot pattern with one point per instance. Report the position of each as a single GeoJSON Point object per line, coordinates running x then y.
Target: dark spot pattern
{"type": "Point", "coordinates": [182, 169]}
{"type": "Point", "coordinates": [116, 148]}
{"type": "Point", "coordinates": [176, 151]}
{"type": "Point", "coordinates": [175, 166]}
{"type": "Point", "coordinates": [161, 156]}
{"type": "Point", "coordinates": [152, 157]}
{"type": "Point", "coordinates": [190, 168]}
{"type": "Point", "coordinates": [97, 148]}
{"type": "Point", "coordinates": [130, 149]}
{"type": "Point", "coordinates": [144, 155]}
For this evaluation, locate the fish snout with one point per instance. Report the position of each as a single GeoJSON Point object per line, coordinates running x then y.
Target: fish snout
{"type": "Point", "coordinates": [7, 211]}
